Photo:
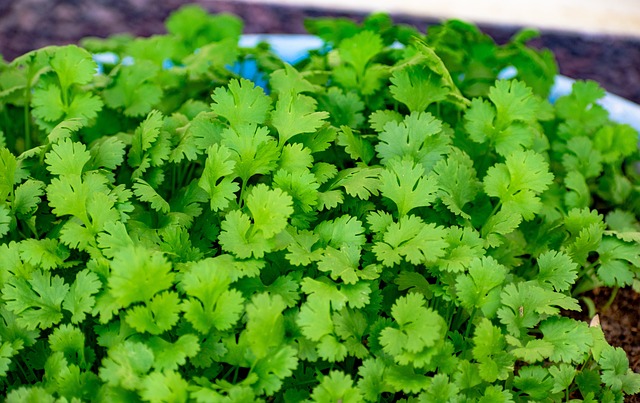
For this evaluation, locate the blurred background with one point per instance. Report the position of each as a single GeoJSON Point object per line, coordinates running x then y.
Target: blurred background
{"type": "Point", "coordinates": [592, 39]}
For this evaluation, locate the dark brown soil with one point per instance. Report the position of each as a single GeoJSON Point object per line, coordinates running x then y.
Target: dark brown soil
{"type": "Point", "coordinates": [612, 61]}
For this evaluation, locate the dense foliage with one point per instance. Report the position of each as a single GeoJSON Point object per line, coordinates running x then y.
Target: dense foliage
{"type": "Point", "coordinates": [385, 221]}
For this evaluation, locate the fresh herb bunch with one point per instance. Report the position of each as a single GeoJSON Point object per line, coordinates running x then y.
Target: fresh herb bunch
{"type": "Point", "coordinates": [381, 223]}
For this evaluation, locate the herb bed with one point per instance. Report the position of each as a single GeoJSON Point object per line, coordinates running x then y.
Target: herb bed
{"type": "Point", "coordinates": [380, 224]}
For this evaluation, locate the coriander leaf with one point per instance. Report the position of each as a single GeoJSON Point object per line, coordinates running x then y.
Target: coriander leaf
{"type": "Point", "coordinates": [241, 103]}
{"type": "Point", "coordinates": [137, 274]}
{"type": "Point", "coordinates": [371, 382]}
{"type": "Point", "coordinates": [254, 151]}
{"type": "Point", "coordinates": [27, 196]}
{"type": "Point", "coordinates": [464, 246]}
{"type": "Point", "coordinates": [165, 386]}
{"type": "Point", "coordinates": [355, 145]}
{"type": "Point", "coordinates": [265, 324]}
{"type": "Point", "coordinates": [44, 253]}
{"type": "Point", "coordinates": [361, 182]}
{"type": "Point", "coordinates": [489, 350]}
{"type": "Point", "coordinates": [216, 179]}
{"type": "Point", "coordinates": [270, 209]}
{"type": "Point", "coordinates": [275, 367]}
{"type": "Point", "coordinates": [619, 262]}
{"type": "Point", "coordinates": [420, 136]}
{"type": "Point", "coordinates": [417, 87]}
{"type": "Point", "coordinates": [146, 193]}
{"type": "Point", "coordinates": [36, 301]}
{"type": "Point", "coordinates": [135, 89]}
{"type": "Point", "coordinates": [480, 288]}
{"type": "Point", "coordinates": [238, 237]}
{"type": "Point", "coordinates": [581, 156]}
{"type": "Point", "coordinates": [412, 238]}
{"type": "Point", "coordinates": [578, 194]}
{"type": "Point", "coordinates": [343, 231]}
{"type": "Point", "coordinates": [457, 181]}
{"type": "Point", "coordinates": [289, 79]}
{"type": "Point", "coordinates": [417, 328]}
{"type": "Point", "coordinates": [73, 65]}
{"type": "Point", "coordinates": [126, 364]}
{"type": "Point", "coordinates": [169, 356]}
{"type": "Point", "coordinates": [343, 263]}
{"type": "Point", "coordinates": [518, 181]}
{"type": "Point", "coordinates": [570, 338]}
{"type": "Point", "coordinates": [526, 304]}
{"type": "Point", "coordinates": [157, 316]}
{"type": "Point", "coordinates": [358, 50]}
{"type": "Point", "coordinates": [336, 387]}
{"type": "Point", "coordinates": [580, 109]}
{"type": "Point", "coordinates": [295, 114]}
{"type": "Point", "coordinates": [514, 101]}
{"type": "Point", "coordinates": [67, 158]}
{"type": "Point", "coordinates": [534, 381]}
{"type": "Point", "coordinates": [80, 299]}
{"type": "Point", "coordinates": [440, 390]}
{"type": "Point", "coordinates": [615, 142]}
{"type": "Point", "coordinates": [405, 183]}
{"type": "Point", "coordinates": [211, 303]}
{"type": "Point", "coordinates": [563, 376]}
{"type": "Point", "coordinates": [616, 373]}
{"type": "Point", "coordinates": [144, 137]}
{"type": "Point", "coordinates": [556, 270]}
{"type": "Point", "coordinates": [345, 109]}
{"type": "Point", "coordinates": [107, 152]}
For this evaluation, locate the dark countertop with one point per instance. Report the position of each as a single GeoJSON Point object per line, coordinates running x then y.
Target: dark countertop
{"type": "Point", "coordinates": [28, 24]}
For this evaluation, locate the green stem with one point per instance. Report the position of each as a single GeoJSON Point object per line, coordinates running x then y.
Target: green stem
{"type": "Point", "coordinates": [469, 323]}
{"type": "Point", "coordinates": [612, 297]}
{"type": "Point", "coordinates": [27, 119]}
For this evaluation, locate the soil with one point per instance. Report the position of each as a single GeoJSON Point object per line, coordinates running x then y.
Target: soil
{"type": "Point", "coordinates": [611, 60]}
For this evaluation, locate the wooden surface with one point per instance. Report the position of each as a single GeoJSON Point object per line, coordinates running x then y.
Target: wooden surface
{"type": "Point", "coordinates": [618, 17]}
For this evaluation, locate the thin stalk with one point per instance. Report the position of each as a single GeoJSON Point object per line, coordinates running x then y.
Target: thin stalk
{"type": "Point", "coordinates": [612, 297]}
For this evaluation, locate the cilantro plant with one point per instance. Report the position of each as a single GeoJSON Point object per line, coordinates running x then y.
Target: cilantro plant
{"type": "Point", "coordinates": [379, 223]}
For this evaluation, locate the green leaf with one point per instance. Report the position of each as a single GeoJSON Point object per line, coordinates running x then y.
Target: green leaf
{"type": "Point", "coordinates": [241, 103]}
{"type": "Point", "coordinates": [146, 193]}
{"type": "Point", "coordinates": [137, 274]}
{"type": "Point", "coordinates": [164, 387]}
{"type": "Point", "coordinates": [265, 324]}
{"type": "Point", "coordinates": [37, 301]}
{"type": "Point", "coordinates": [556, 270]}
{"type": "Point", "coordinates": [27, 196]}
{"type": "Point", "coordinates": [80, 300]}
{"type": "Point", "coordinates": [404, 183]}
{"type": "Point", "coordinates": [457, 181]}
{"type": "Point", "coordinates": [254, 151]}
{"type": "Point", "coordinates": [73, 65]}
{"type": "Point", "coordinates": [412, 238]}
{"type": "Point", "coordinates": [134, 92]}
{"type": "Point", "coordinates": [489, 350]}
{"type": "Point", "coordinates": [418, 329]}
{"type": "Point", "coordinates": [526, 304]}
{"type": "Point", "coordinates": [571, 339]}
{"type": "Point", "coordinates": [336, 387]}
{"type": "Point", "coordinates": [616, 373]}
{"type": "Point", "coordinates": [216, 179]}
{"type": "Point", "coordinates": [355, 145]}
{"type": "Point", "coordinates": [126, 365]}
{"type": "Point", "coordinates": [295, 114]}
{"type": "Point", "coordinates": [518, 181]}
{"type": "Point", "coordinates": [67, 158]}
{"type": "Point", "coordinates": [358, 50]}
{"type": "Point", "coordinates": [417, 87]}
{"type": "Point", "coordinates": [480, 288]}
{"type": "Point", "coordinates": [420, 137]}
{"type": "Point", "coordinates": [270, 209]}
{"type": "Point", "coordinates": [211, 303]}
{"type": "Point", "coordinates": [157, 316]}
{"type": "Point", "coordinates": [619, 262]}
